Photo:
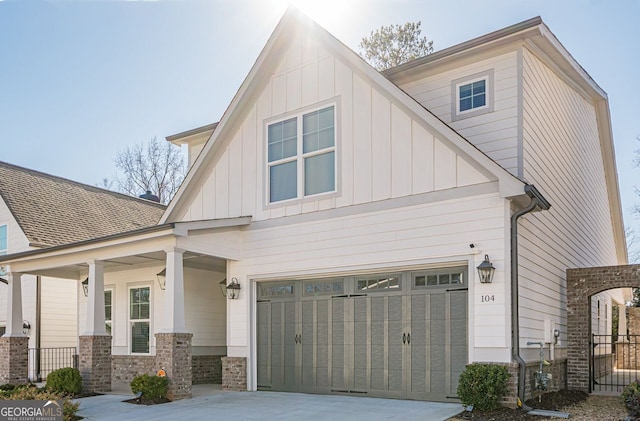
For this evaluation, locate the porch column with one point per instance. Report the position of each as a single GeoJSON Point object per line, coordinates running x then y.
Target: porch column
{"type": "Point", "coordinates": [173, 342]}
{"type": "Point", "coordinates": [14, 345]}
{"type": "Point", "coordinates": [95, 343]}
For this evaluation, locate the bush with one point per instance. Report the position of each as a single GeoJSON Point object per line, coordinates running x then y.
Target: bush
{"type": "Point", "coordinates": [64, 380]}
{"type": "Point", "coordinates": [152, 387]}
{"type": "Point", "coordinates": [483, 385]}
{"type": "Point", "coordinates": [631, 398]}
{"type": "Point", "coordinates": [30, 392]}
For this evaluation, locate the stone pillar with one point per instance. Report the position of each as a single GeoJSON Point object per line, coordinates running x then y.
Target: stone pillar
{"type": "Point", "coordinates": [234, 373]}
{"type": "Point", "coordinates": [95, 363]}
{"type": "Point", "coordinates": [14, 359]}
{"type": "Point", "coordinates": [173, 355]}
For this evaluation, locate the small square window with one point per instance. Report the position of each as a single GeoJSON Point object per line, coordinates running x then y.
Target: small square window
{"type": "Point", "coordinates": [472, 95]}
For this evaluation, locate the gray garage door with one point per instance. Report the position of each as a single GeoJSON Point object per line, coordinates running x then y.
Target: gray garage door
{"type": "Point", "coordinates": [398, 335]}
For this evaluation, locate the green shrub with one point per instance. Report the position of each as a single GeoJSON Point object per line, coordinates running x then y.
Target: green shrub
{"type": "Point", "coordinates": [30, 392]}
{"type": "Point", "coordinates": [152, 387]}
{"type": "Point", "coordinates": [64, 380]}
{"type": "Point", "coordinates": [483, 385]}
{"type": "Point", "coordinates": [631, 398]}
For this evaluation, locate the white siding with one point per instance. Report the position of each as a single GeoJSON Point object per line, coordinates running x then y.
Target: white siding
{"type": "Point", "coordinates": [383, 150]}
{"type": "Point", "coordinates": [562, 157]}
{"type": "Point", "coordinates": [429, 233]}
{"type": "Point", "coordinates": [58, 316]}
{"type": "Point", "coordinates": [494, 133]}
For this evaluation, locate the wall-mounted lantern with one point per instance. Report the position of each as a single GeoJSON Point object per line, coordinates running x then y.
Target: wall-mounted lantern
{"type": "Point", "coordinates": [162, 278]}
{"type": "Point", "coordinates": [223, 287]}
{"type": "Point", "coordinates": [486, 270]}
{"type": "Point", "coordinates": [232, 290]}
{"type": "Point", "coordinates": [26, 327]}
{"type": "Point", "coordinates": [85, 287]}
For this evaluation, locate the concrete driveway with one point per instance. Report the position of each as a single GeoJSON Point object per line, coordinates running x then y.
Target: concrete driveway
{"type": "Point", "coordinates": [211, 403]}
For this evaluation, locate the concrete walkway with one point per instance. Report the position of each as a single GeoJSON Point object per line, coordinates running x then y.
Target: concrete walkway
{"type": "Point", "coordinates": [211, 403]}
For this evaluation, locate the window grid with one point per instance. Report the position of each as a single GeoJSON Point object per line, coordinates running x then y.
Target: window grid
{"type": "Point", "coordinates": [139, 310]}
{"type": "Point", "coordinates": [312, 169]}
{"type": "Point", "coordinates": [108, 310]}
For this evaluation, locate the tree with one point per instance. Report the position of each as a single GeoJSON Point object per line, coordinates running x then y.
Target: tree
{"type": "Point", "coordinates": [393, 45]}
{"type": "Point", "coordinates": [155, 166]}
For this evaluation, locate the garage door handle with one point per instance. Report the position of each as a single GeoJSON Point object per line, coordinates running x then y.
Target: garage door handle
{"type": "Point", "coordinates": [404, 338]}
{"type": "Point", "coordinates": [408, 338]}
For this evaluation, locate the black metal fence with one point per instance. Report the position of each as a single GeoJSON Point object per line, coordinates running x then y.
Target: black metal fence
{"type": "Point", "coordinates": [615, 362]}
{"type": "Point", "coordinates": [43, 361]}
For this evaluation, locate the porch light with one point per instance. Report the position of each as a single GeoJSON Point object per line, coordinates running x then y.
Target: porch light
{"type": "Point", "coordinates": [26, 327]}
{"type": "Point", "coordinates": [162, 278]}
{"type": "Point", "coordinates": [233, 289]}
{"type": "Point", "coordinates": [485, 270]}
{"type": "Point", "coordinates": [85, 287]}
{"type": "Point", "coordinates": [223, 287]}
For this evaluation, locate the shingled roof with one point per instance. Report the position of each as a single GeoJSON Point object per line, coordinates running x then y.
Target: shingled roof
{"type": "Point", "coordinates": [53, 211]}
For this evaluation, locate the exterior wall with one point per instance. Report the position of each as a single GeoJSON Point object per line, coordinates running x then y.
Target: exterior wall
{"type": "Point", "coordinates": [433, 234]}
{"type": "Point", "coordinates": [494, 133]}
{"type": "Point", "coordinates": [58, 316]}
{"type": "Point", "coordinates": [207, 369]}
{"type": "Point", "coordinates": [383, 150]}
{"type": "Point", "coordinates": [562, 157]}
{"type": "Point", "coordinates": [125, 367]}
{"type": "Point", "coordinates": [205, 307]}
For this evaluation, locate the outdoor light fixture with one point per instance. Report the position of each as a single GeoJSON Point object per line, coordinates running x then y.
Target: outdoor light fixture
{"type": "Point", "coordinates": [485, 270]}
{"type": "Point", "coordinates": [223, 287]}
{"type": "Point", "coordinates": [162, 278]}
{"type": "Point", "coordinates": [26, 327]}
{"type": "Point", "coordinates": [233, 289]}
{"type": "Point", "coordinates": [85, 287]}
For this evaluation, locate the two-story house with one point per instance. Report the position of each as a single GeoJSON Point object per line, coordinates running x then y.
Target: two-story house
{"type": "Point", "coordinates": [347, 211]}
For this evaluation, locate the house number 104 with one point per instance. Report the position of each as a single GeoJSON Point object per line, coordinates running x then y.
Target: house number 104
{"type": "Point", "coordinates": [487, 298]}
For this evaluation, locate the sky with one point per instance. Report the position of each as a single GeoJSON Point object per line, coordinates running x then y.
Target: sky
{"type": "Point", "coordinates": [81, 80]}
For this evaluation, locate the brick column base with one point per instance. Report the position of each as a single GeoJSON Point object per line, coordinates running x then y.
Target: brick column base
{"type": "Point", "coordinates": [14, 360]}
{"type": "Point", "coordinates": [95, 363]}
{"type": "Point", "coordinates": [234, 373]}
{"type": "Point", "coordinates": [173, 354]}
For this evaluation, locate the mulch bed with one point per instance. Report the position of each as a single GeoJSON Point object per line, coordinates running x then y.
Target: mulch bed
{"type": "Point", "coordinates": [552, 401]}
{"type": "Point", "coordinates": [143, 401]}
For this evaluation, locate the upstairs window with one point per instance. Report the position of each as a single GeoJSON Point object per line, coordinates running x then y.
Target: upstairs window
{"type": "Point", "coordinates": [301, 156]}
{"type": "Point", "coordinates": [472, 96]}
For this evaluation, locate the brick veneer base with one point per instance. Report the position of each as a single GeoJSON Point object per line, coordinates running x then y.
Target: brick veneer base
{"type": "Point", "coordinates": [207, 369]}
{"type": "Point", "coordinates": [14, 360]}
{"type": "Point", "coordinates": [95, 363]}
{"type": "Point", "coordinates": [234, 373]}
{"type": "Point", "coordinates": [173, 354]}
{"type": "Point", "coordinates": [125, 367]}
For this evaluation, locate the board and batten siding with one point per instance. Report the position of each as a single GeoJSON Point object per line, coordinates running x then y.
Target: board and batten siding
{"type": "Point", "coordinates": [494, 133]}
{"type": "Point", "coordinates": [562, 157]}
{"type": "Point", "coordinates": [383, 150]}
{"type": "Point", "coordinates": [431, 233]}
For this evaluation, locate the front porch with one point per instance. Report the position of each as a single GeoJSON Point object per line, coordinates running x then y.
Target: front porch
{"type": "Point", "coordinates": [150, 301]}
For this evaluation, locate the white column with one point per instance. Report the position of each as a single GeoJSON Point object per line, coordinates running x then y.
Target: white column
{"type": "Point", "coordinates": [14, 305]}
{"type": "Point", "coordinates": [174, 320]}
{"type": "Point", "coordinates": [95, 300]}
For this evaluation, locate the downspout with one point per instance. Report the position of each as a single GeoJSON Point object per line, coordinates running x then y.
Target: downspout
{"type": "Point", "coordinates": [537, 201]}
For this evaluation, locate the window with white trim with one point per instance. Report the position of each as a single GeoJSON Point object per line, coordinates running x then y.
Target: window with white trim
{"type": "Point", "coordinates": [301, 156]}
{"type": "Point", "coordinates": [3, 245]}
{"type": "Point", "coordinates": [108, 310]}
{"type": "Point", "coordinates": [472, 95]}
{"type": "Point", "coordinates": [139, 310]}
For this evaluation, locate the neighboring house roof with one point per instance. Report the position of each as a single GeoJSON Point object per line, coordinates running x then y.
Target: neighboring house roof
{"type": "Point", "coordinates": [52, 210]}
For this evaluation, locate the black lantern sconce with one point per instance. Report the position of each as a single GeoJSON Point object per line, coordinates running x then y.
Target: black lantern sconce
{"type": "Point", "coordinates": [231, 291]}
{"type": "Point", "coordinates": [26, 327]}
{"type": "Point", "coordinates": [85, 287]}
{"type": "Point", "coordinates": [486, 270]}
{"type": "Point", "coordinates": [162, 278]}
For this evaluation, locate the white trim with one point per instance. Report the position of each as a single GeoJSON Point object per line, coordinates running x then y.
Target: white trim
{"type": "Point", "coordinates": [112, 289]}
{"type": "Point", "coordinates": [456, 84]}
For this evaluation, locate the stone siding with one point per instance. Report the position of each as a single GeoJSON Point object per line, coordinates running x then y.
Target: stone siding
{"type": "Point", "coordinates": [95, 363]}
{"type": "Point", "coordinates": [14, 360]}
{"type": "Point", "coordinates": [125, 367]}
{"type": "Point", "coordinates": [234, 373]}
{"type": "Point", "coordinates": [173, 354]}
{"type": "Point", "coordinates": [207, 369]}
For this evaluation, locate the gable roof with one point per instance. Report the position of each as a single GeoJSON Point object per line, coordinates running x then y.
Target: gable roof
{"type": "Point", "coordinates": [292, 21]}
{"type": "Point", "coordinates": [52, 210]}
